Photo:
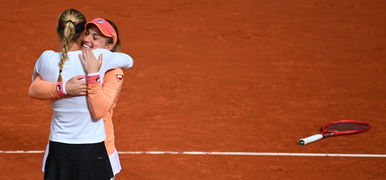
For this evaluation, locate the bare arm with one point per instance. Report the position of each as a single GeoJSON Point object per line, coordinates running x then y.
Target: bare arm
{"type": "Point", "coordinates": [45, 90]}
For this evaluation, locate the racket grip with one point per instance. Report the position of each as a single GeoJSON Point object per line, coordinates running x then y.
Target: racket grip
{"type": "Point", "coordinates": [310, 139]}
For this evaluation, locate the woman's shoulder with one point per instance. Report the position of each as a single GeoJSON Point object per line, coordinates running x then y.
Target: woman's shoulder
{"type": "Point", "coordinates": [125, 56]}
{"type": "Point", "coordinates": [74, 52]}
{"type": "Point", "coordinates": [104, 51]}
{"type": "Point", "coordinates": [121, 54]}
{"type": "Point", "coordinates": [48, 53]}
{"type": "Point", "coordinates": [116, 57]}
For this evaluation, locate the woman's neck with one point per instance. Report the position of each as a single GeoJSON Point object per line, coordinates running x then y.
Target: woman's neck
{"type": "Point", "coordinates": [74, 46]}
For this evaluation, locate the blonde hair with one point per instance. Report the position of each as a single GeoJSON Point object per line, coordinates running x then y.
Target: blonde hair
{"type": "Point", "coordinates": [70, 26]}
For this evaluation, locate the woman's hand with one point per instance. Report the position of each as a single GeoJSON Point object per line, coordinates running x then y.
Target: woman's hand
{"type": "Point", "coordinates": [89, 62]}
{"type": "Point", "coordinates": [76, 86]}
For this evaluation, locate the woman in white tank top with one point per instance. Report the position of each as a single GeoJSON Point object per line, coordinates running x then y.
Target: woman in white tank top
{"type": "Point", "coordinates": [72, 126]}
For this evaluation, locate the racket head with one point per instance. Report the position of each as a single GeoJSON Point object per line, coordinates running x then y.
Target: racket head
{"type": "Point", "coordinates": [344, 127]}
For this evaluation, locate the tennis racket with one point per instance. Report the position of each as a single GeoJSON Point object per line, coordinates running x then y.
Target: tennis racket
{"type": "Point", "coordinates": [335, 128]}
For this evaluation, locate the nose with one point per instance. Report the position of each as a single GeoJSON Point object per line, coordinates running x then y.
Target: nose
{"type": "Point", "coordinates": [87, 38]}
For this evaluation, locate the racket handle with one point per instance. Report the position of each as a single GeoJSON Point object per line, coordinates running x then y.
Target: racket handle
{"type": "Point", "coordinates": [310, 139]}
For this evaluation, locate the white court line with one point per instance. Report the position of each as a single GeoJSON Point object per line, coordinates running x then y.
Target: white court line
{"type": "Point", "coordinates": [223, 153]}
{"type": "Point", "coordinates": [252, 154]}
{"type": "Point", "coordinates": [21, 152]}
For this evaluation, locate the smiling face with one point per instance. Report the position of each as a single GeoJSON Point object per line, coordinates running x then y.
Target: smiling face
{"type": "Point", "coordinates": [93, 38]}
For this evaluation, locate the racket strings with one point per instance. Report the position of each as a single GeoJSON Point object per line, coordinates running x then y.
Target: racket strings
{"type": "Point", "coordinates": [346, 127]}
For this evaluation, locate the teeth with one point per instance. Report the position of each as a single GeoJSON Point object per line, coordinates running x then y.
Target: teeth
{"type": "Point", "coordinates": [86, 46]}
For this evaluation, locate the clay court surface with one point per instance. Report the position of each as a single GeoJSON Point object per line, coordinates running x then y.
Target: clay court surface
{"type": "Point", "coordinates": [215, 76]}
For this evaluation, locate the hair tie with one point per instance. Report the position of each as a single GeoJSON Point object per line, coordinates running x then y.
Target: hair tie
{"type": "Point", "coordinates": [69, 21]}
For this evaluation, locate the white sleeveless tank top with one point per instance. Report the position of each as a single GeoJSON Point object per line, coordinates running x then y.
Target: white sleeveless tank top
{"type": "Point", "coordinates": [71, 120]}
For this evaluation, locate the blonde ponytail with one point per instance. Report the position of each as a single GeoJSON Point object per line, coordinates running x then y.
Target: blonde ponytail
{"type": "Point", "coordinates": [70, 26]}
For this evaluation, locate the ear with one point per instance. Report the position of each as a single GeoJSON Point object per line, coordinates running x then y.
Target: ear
{"type": "Point", "coordinates": [110, 46]}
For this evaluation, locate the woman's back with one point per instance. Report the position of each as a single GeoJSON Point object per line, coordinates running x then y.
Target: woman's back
{"type": "Point", "coordinates": [71, 119]}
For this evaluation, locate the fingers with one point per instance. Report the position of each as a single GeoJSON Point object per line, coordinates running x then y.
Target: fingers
{"type": "Point", "coordinates": [100, 59]}
{"type": "Point", "coordinates": [84, 56]}
{"type": "Point", "coordinates": [77, 90]}
{"type": "Point", "coordinates": [83, 90]}
{"type": "Point", "coordinates": [81, 56]}
{"type": "Point", "coordinates": [89, 62]}
{"type": "Point", "coordinates": [85, 53]}
{"type": "Point", "coordinates": [89, 54]}
{"type": "Point", "coordinates": [79, 77]}
{"type": "Point", "coordinates": [82, 93]}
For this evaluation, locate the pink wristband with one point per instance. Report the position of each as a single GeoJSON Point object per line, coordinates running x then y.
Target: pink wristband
{"type": "Point", "coordinates": [59, 89]}
{"type": "Point", "coordinates": [93, 79]}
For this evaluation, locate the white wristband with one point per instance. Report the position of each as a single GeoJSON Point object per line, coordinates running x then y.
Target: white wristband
{"type": "Point", "coordinates": [93, 74]}
{"type": "Point", "coordinates": [64, 87]}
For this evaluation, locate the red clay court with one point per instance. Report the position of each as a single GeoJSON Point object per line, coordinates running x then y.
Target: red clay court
{"type": "Point", "coordinates": [215, 76]}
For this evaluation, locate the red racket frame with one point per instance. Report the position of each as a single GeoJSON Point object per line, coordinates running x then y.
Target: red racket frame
{"type": "Point", "coordinates": [328, 133]}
